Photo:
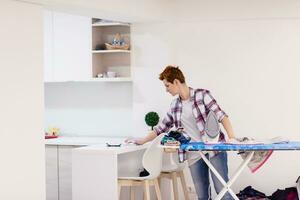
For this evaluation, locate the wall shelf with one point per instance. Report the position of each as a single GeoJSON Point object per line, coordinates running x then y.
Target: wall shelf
{"type": "Point", "coordinates": [103, 24]}
{"type": "Point", "coordinates": [117, 79]}
{"type": "Point", "coordinates": [111, 51]}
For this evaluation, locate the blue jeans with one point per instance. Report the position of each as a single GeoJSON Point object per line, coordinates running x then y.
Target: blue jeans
{"type": "Point", "coordinates": [200, 175]}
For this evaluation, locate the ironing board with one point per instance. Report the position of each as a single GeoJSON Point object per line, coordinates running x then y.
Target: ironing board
{"type": "Point", "coordinates": [251, 148]}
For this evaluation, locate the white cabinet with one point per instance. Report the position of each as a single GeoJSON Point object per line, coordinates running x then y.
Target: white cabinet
{"type": "Point", "coordinates": [67, 40]}
{"type": "Point", "coordinates": [70, 52]}
{"type": "Point", "coordinates": [51, 172]}
{"type": "Point", "coordinates": [59, 172]}
{"type": "Point", "coordinates": [48, 46]}
{"type": "Point", "coordinates": [72, 43]}
{"type": "Point", "coordinates": [65, 172]}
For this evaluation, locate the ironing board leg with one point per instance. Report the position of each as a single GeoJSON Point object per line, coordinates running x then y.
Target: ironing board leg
{"type": "Point", "coordinates": [232, 180]}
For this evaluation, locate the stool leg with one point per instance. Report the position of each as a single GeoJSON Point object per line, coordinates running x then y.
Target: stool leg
{"type": "Point", "coordinates": [184, 187]}
{"type": "Point", "coordinates": [132, 193]}
{"type": "Point", "coordinates": [175, 188]}
{"type": "Point", "coordinates": [119, 190]}
{"type": "Point", "coordinates": [159, 181]}
{"type": "Point", "coordinates": [147, 189]}
{"type": "Point", "coordinates": [157, 189]}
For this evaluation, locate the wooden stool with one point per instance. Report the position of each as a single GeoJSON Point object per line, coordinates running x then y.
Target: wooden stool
{"type": "Point", "coordinates": [146, 183]}
{"type": "Point", "coordinates": [152, 162]}
{"type": "Point", "coordinates": [173, 175]}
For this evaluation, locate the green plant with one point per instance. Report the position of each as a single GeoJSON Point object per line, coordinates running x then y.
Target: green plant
{"type": "Point", "coordinates": [151, 119]}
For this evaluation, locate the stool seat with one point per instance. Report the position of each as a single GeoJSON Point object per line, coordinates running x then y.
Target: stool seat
{"type": "Point", "coordinates": [133, 178]}
{"type": "Point", "coordinates": [172, 168]}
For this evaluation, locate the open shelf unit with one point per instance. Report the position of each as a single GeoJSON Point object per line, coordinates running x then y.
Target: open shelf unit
{"type": "Point", "coordinates": [104, 60]}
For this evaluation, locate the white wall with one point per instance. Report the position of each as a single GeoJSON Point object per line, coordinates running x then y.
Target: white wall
{"type": "Point", "coordinates": [192, 10]}
{"type": "Point", "coordinates": [22, 149]}
{"type": "Point", "coordinates": [251, 67]}
{"type": "Point", "coordinates": [131, 11]}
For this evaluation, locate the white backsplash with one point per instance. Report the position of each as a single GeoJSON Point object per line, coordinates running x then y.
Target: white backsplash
{"type": "Point", "coordinates": [89, 109]}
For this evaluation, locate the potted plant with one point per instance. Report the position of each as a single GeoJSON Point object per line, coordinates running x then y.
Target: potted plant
{"type": "Point", "coordinates": [151, 119]}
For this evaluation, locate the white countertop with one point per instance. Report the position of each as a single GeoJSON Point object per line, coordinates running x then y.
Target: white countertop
{"type": "Point", "coordinates": [96, 144]}
{"type": "Point", "coordinates": [84, 141]}
{"type": "Point", "coordinates": [103, 149]}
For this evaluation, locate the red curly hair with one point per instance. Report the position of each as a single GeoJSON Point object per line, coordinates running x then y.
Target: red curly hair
{"type": "Point", "coordinates": [171, 73]}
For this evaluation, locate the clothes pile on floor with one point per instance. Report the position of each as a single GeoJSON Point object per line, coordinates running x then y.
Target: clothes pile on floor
{"type": "Point", "coordinates": [250, 193]}
{"type": "Point", "coordinates": [286, 194]}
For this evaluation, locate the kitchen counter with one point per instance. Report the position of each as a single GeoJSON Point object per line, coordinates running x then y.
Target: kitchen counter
{"type": "Point", "coordinates": [83, 141]}
{"type": "Point", "coordinates": [98, 166]}
{"type": "Point", "coordinates": [60, 166]}
{"type": "Point", "coordinates": [103, 149]}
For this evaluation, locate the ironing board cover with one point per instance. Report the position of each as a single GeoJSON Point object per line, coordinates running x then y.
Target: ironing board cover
{"type": "Point", "coordinates": [195, 146]}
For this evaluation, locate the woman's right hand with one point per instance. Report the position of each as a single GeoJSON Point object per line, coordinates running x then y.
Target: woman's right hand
{"type": "Point", "coordinates": [140, 141]}
{"type": "Point", "coordinates": [137, 141]}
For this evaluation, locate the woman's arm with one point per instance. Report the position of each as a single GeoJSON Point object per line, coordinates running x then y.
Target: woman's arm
{"type": "Point", "coordinates": [227, 126]}
{"type": "Point", "coordinates": [143, 140]}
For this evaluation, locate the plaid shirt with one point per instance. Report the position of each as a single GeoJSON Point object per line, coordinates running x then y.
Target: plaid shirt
{"type": "Point", "coordinates": [203, 103]}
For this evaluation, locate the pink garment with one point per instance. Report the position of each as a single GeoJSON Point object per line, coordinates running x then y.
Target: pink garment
{"type": "Point", "coordinates": [259, 158]}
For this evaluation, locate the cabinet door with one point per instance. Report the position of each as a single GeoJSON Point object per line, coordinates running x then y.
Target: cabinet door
{"type": "Point", "coordinates": [51, 173]}
{"type": "Point", "coordinates": [48, 46]}
{"type": "Point", "coordinates": [65, 172]}
{"type": "Point", "coordinates": [72, 47]}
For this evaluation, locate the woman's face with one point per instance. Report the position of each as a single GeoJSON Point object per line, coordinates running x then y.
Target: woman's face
{"type": "Point", "coordinates": [171, 88]}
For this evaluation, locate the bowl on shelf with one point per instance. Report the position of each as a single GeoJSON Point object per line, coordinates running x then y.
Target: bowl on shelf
{"type": "Point", "coordinates": [100, 75]}
{"type": "Point", "coordinates": [111, 74]}
{"type": "Point", "coordinates": [116, 47]}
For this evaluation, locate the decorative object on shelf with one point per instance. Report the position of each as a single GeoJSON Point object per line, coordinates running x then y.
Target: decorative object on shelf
{"type": "Point", "coordinates": [118, 43]}
{"type": "Point", "coordinates": [118, 40]}
{"type": "Point", "coordinates": [50, 136]}
{"type": "Point", "coordinates": [100, 75]}
{"type": "Point", "coordinates": [53, 131]}
{"type": "Point", "coordinates": [152, 119]}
